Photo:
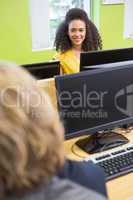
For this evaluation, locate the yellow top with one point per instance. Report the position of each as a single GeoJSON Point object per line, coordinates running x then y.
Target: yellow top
{"type": "Point", "coordinates": [68, 61]}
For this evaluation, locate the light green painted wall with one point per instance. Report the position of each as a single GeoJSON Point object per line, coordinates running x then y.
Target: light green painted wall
{"type": "Point", "coordinates": [15, 32]}
{"type": "Point", "coordinates": [112, 26]}
{"type": "Point", "coordinates": [15, 35]}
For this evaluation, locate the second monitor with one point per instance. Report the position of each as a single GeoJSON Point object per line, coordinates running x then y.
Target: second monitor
{"type": "Point", "coordinates": [94, 58]}
{"type": "Point", "coordinates": [44, 69]}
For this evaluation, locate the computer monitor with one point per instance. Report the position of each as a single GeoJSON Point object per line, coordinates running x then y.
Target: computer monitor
{"type": "Point", "coordinates": [44, 69]}
{"type": "Point", "coordinates": [107, 65]}
{"type": "Point", "coordinates": [104, 57]}
{"type": "Point", "coordinates": [92, 102]}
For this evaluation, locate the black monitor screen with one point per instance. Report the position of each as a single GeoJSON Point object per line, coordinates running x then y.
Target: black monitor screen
{"type": "Point", "coordinates": [96, 100]}
{"type": "Point", "coordinates": [105, 56]}
{"type": "Point", "coordinates": [44, 70]}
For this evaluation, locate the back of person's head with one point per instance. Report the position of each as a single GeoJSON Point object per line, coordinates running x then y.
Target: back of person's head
{"type": "Point", "coordinates": [31, 135]}
{"type": "Point", "coordinates": [92, 40]}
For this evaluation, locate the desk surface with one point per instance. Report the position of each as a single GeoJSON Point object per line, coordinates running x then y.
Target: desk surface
{"type": "Point", "coordinates": [119, 188]}
{"type": "Point", "coordinates": [48, 85]}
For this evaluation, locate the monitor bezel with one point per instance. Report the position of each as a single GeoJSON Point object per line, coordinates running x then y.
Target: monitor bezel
{"type": "Point", "coordinates": [40, 64]}
{"type": "Point", "coordinates": [91, 131]}
{"type": "Point", "coordinates": [126, 55]}
{"type": "Point", "coordinates": [52, 66]}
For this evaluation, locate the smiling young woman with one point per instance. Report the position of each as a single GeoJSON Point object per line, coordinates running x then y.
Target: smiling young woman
{"type": "Point", "coordinates": [75, 34]}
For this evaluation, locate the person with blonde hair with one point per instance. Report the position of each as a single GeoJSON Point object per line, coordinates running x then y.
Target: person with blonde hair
{"type": "Point", "coordinates": [31, 142]}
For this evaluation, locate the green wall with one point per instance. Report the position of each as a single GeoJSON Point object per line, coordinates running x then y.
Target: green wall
{"type": "Point", "coordinates": [15, 35]}
{"type": "Point", "coordinates": [15, 32]}
{"type": "Point", "coordinates": [112, 26]}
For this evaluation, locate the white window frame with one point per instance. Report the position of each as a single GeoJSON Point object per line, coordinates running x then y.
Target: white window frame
{"type": "Point", "coordinates": [128, 22]}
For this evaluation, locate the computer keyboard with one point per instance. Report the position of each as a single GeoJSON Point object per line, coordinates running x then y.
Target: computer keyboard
{"type": "Point", "coordinates": [115, 163]}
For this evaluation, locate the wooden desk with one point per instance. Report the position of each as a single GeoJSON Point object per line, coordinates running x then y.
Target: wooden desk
{"type": "Point", "coordinates": [48, 85]}
{"type": "Point", "coordinates": [119, 188]}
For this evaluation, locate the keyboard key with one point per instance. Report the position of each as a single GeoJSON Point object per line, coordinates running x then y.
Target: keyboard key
{"type": "Point", "coordinates": [117, 163]}
{"type": "Point", "coordinates": [130, 148]}
{"type": "Point", "coordinates": [102, 157]}
{"type": "Point", "coordinates": [118, 152]}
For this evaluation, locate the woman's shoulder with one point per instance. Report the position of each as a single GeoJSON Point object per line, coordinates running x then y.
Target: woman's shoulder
{"type": "Point", "coordinates": [62, 55]}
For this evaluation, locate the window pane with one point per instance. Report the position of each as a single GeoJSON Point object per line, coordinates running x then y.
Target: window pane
{"type": "Point", "coordinates": [39, 23]}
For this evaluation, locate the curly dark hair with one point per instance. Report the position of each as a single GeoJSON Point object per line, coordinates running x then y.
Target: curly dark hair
{"type": "Point", "coordinates": [92, 40]}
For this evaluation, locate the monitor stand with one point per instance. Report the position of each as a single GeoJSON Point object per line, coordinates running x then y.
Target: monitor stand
{"type": "Point", "coordinates": [99, 142]}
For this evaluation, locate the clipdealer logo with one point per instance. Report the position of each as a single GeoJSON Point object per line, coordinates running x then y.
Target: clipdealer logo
{"type": "Point", "coordinates": [82, 104]}
{"type": "Point", "coordinates": [124, 100]}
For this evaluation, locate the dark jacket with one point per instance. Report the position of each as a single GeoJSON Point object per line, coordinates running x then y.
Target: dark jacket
{"type": "Point", "coordinates": [86, 174]}
{"type": "Point", "coordinates": [59, 190]}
